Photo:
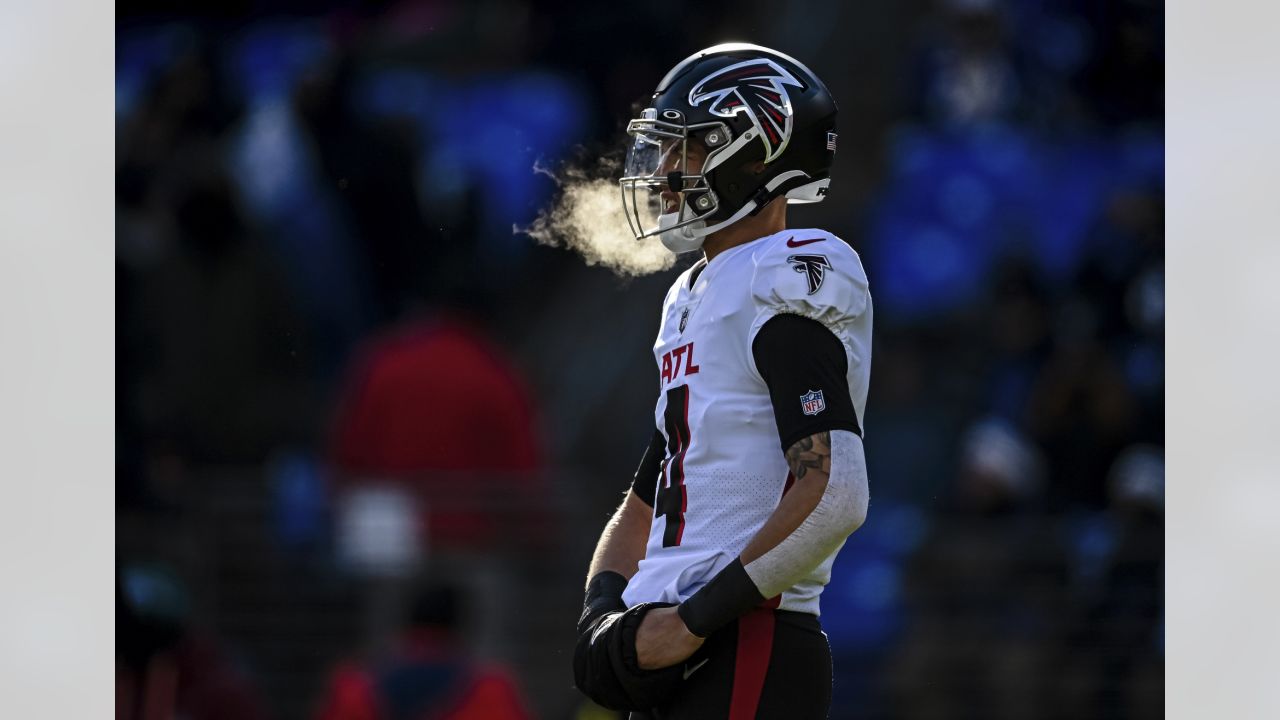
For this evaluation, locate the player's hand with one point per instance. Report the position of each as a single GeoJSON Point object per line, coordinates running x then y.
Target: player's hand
{"type": "Point", "coordinates": [662, 640]}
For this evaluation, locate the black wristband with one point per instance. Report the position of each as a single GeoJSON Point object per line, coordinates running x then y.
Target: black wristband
{"type": "Point", "coordinates": [605, 583]}
{"type": "Point", "coordinates": [729, 595]}
{"type": "Point", "coordinates": [604, 595]}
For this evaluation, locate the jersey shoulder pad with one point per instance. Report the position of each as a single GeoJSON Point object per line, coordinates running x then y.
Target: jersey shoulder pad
{"type": "Point", "coordinates": [811, 273]}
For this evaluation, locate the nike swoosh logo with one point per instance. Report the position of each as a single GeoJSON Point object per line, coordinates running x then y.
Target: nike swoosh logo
{"type": "Point", "coordinates": [793, 243]}
{"type": "Point", "coordinates": [691, 670]}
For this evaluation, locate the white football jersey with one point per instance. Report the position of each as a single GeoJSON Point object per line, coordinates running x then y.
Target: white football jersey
{"type": "Point", "coordinates": [725, 471]}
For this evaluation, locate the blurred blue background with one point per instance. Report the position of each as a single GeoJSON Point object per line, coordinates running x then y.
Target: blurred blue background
{"type": "Point", "coordinates": [367, 434]}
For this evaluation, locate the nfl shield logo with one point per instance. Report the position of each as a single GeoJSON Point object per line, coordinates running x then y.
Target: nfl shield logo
{"type": "Point", "coordinates": [812, 403]}
{"type": "Point", "coordinates": [684, 319]}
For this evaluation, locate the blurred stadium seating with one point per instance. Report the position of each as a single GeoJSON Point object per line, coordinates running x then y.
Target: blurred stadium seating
{"type": "Point", "coordinates": [295, 181]}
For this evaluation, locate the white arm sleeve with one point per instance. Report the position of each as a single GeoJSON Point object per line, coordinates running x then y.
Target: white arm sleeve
{"type": "Point", "coordinates": [841, 510]}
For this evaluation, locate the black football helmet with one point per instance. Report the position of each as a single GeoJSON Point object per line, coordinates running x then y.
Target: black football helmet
{"type": "Point", "coordinates": [745, 104]}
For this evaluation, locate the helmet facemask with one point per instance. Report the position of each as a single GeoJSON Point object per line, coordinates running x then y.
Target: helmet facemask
{"type": "Point", "coordinates": [767, 124]}
{"type": "Point", "coordinates": [658, 163]}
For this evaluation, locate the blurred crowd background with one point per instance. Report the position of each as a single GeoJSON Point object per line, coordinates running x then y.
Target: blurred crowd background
{"type": "Point", "coordinates": [368, 432]}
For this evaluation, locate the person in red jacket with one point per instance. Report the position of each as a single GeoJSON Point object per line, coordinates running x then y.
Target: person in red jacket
{"type": "Point", "coordinates": [435, 407]}
{"type": "Point", "coordinates": [425, 676]}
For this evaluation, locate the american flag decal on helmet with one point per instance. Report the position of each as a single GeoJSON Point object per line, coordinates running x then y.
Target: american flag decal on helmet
{"type": "Point", "coordinates": [831, 141]}
{"type": "Point", "coordinates": [757, 87]}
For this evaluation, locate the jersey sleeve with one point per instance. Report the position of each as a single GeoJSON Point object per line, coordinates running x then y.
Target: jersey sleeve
{"type": "Point", "coordinates": [813, 274]}
{"type": "Point", "coordinates": [805, 368]}
{"type": "Point", "coordinates": [645, 482]}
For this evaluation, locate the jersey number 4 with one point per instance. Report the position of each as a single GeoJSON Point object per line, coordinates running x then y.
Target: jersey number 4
{"type": "Point", "coordinates": [673, 500]}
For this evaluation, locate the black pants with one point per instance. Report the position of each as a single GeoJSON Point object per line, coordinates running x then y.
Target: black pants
{"type": "Point", "coordinates": [768, 664]}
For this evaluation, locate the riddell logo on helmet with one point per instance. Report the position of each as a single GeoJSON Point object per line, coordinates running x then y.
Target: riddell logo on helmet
{"type": "Point", "coordinates": [758, 88]}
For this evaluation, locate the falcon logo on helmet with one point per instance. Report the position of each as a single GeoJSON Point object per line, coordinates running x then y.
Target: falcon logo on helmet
{"type": "Point", "coordinates": [757, 87]}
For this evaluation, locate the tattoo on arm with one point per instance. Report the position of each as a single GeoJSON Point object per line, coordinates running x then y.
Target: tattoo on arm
{"type": "Point", "coordinates": [810, 453]}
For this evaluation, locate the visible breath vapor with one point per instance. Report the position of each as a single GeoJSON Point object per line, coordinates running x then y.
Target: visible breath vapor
{"type": "Point", "coordinates": [587, 217]}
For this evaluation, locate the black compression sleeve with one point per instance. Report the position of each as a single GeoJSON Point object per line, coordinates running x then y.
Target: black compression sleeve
{"type": "Point", "coordinates": [645, 483]}
{"type": "Point", "coordinates": [805, 367]}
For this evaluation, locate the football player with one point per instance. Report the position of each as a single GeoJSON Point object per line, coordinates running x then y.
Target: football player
{"type": "Point", "coordinates": [702, 594]}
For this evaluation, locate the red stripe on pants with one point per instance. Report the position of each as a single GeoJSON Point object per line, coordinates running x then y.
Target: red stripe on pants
{"type": "Point", "coordinates": [755, 644]}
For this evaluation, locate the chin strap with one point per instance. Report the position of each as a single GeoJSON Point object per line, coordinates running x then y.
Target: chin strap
{"type": "Point", "coordinates": [749, 207]}
{"type": "Point", "coordinates": [772, 189]}
{"type": "Point", "coordinates": [760, 200]}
